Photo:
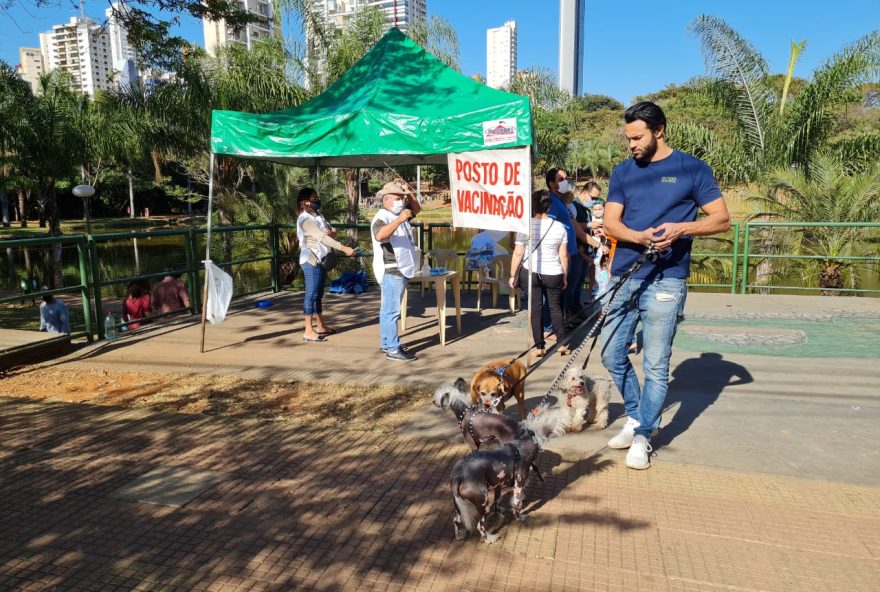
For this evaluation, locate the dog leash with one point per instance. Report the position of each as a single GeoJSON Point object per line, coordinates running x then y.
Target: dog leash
{"type": "Point", "coordinates": [648, 254]}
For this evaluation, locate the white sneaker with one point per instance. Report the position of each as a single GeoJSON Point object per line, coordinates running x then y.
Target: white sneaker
{"type": "Point", "coordinates": [638, 455]}
{"type": "Point", "coordinates": [624, 437]}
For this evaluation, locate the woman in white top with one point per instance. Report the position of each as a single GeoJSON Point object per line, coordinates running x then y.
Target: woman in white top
{"type": "Point", "coordinates": [316, 238]}
{"type": "Point", "coordinates": [549, 265]}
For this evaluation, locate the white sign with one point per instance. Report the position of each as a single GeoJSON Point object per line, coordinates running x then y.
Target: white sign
{"type": "Point", "coordinates": [499, 131]}
{"type": "Point", "coordinates": [492, 189]}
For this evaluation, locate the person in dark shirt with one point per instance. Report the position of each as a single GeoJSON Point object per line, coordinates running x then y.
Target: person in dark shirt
{"type": "Point", "coordinates": [653, 199]}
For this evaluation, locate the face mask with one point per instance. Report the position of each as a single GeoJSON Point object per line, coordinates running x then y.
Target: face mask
{"type": "Point", "coordinates": [396, 206]}
{"type": "Point", "coordinates": [316, 204]}
{"type": "Point", "coordinates": [564, 186]}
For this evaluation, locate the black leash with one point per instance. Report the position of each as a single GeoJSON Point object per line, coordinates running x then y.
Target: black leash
{"type": "Point", "coordinates": [648, 254]}
{"type": "Point", "coordinates": [594, 332]}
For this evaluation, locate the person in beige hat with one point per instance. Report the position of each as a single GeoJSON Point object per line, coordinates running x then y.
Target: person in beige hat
{"type": "Point", "coordinates": [394, 260]}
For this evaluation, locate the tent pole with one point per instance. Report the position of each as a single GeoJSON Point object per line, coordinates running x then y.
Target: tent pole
{"type": "Point", "coordinates": [529, 343]}
{"type": "Point", "coordinates": [419, 183]}
{"type": "Point", "coordinates": [207, 248]}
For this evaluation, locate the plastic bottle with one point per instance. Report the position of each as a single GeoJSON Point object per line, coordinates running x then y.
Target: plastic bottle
{"type": "Point", "coordinates": [110, 327]}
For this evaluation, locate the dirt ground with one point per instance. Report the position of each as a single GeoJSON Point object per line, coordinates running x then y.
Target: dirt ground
{"type": "Point", "coordinates": [353, 407]}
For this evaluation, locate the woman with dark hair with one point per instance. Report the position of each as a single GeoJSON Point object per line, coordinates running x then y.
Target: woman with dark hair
{"type": "Point", "coordinates": [549, 264]}
{"type": "Point", "coordinates": [137, 304]}
{"type": "Point", "coordinates": [316, 238]}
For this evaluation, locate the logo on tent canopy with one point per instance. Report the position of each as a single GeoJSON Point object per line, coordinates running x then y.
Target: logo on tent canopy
{"type": "Point", "coordinates": [499, 132]}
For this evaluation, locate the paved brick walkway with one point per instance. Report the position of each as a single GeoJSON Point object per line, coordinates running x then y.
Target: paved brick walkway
{"type": "Point", "coordinates": [296, 509]}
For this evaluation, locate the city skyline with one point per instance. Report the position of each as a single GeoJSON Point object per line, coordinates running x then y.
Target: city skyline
{"type": "Point", "coordinates": [620, 64]}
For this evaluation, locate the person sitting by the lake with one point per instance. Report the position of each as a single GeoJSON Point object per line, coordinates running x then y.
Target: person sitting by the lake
{"type": "Point", "coordinates": [170, 294]}
{"type": "Point", "coordinates": [137, 305]}
{"type": "Point", "coordinates": [53, 315]}
{"type": "Point", "coordinates": [316, 238]}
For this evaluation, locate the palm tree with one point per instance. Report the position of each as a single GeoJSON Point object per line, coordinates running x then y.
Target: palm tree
{"type": "Point", "coordinates": [43, 139]}
{"type": "Point", "coordinates": [823, 191]}
{"type": "Point", "coordinates": [238, 79]}
{"type": "Point", "coordinates": [772, 135]}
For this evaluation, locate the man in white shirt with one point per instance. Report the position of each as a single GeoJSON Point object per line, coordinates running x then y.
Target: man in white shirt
{"type": "Point", "coordinates": [394, 261]}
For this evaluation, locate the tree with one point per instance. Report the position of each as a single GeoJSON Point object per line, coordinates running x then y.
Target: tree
{"type": "Point", "coordinates": [823, 191]}
{"type": "Point", "coordinates": [590, 103]}
{"type": "Point", "coordinates": [773, 136]}
{"type": "Point", "coordinates": [237, 79]}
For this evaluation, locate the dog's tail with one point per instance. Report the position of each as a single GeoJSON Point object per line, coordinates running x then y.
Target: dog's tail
{"type": "Point", "coordinates": [466, 509]}
{"type": "Point", "coordinates": [546, 422]}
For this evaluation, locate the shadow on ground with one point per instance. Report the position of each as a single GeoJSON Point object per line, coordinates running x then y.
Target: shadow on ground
{"type": "Point", "coordinates": [285, 508]}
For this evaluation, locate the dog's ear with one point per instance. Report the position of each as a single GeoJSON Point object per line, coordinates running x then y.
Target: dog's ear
{"type": "Point", "coordinates": [461, 384]}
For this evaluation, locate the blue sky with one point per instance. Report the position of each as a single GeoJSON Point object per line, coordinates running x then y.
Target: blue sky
{"type": "Point", "coordinates": [631, 48]}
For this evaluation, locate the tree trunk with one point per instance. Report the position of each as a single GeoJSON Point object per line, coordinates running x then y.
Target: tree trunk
{"type": "Point", "coordinates": [351, 193]}
{"type": "Point", "coordinates": [10, 267]}
{"type": "Point", "coordinates": [831, 276]}
{"type": "Point", "coordinates": [131, 192]}
{"type": "Point", "coordinates": [23, 196]}
{"type": "Point", "coordinates": [54, 230]}
{"type": "Point", "coordinates": [157, 169]}
{"type": "Point", "coordinates": [225, 217]}
{"type": "Point", "coordinates": [4, 207]}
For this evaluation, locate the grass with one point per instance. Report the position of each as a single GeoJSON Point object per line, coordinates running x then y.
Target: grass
{"type": "Point", "coordinates": [339, 406]}
{"type": "Point", "coordinates": [101, 226]}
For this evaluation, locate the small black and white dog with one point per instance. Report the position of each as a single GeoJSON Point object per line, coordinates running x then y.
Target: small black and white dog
{"type": "Point", "coordinates": [506, 466]}
{"type": "Point", "coordinates": [477, 424]}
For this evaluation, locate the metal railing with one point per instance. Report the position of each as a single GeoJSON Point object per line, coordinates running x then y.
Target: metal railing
{"type": "Point", "coordinates": [812, 238]}
{"type": "Point", "coordinates": [94, 288]}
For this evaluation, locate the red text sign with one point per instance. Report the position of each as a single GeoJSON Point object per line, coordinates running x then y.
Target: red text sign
{"type": "Point", "coordinates": [491, 189]}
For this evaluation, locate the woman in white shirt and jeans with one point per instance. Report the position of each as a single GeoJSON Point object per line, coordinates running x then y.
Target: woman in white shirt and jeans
{"type": "Point", "coordinates": [549, 274]}
{"type": "Point", "coordinates": [316, 238]}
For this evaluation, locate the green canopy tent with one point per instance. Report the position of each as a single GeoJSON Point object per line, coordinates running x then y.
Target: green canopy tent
{"type": "Point", "coordinates": [397, 105]}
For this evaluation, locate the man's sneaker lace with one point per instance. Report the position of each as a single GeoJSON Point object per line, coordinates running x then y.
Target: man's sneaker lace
{"type": "Point", "coordinates": [624, 438]}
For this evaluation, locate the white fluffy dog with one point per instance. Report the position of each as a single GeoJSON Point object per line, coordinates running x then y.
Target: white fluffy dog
{"type": "Point", "coordinates": [583, 400]}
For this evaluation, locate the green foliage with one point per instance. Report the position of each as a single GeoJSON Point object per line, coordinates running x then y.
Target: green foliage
{"type": "Point", "coordinates": [823, 191]}
{"type": "Point", "coordinates": [590, 103]}
{"type": "Point", "coordinates": [595, 156]}
{"type": "Point", "coordinates": [772, 136]}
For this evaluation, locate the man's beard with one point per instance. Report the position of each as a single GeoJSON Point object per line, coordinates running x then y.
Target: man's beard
{"type": "Point", "coordinates": [648, 152]}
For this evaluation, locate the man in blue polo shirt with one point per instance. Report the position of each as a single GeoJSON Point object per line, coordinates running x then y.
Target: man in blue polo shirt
{"type": "Point", "coordinates": [653, 200]}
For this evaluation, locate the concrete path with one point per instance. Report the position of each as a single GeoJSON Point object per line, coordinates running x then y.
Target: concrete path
{"type": "Point", "coordinates": [766, 476]}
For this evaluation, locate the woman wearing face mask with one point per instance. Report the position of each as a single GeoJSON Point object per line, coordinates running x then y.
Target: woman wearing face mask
{"type": "Point", "coordinates": [316, 238]}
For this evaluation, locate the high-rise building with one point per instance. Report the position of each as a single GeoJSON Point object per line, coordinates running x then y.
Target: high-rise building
{"type": "Point", "coordinates": [399, 13]}
{"type": "Point", "coordinates": [122, 54]}
{"type": "Point", "coordinates": [337, 13]}
{"type": "Point", "coordinates": [501, 55]}
{"type": "Point", "coordinates": [219, 34]}
{"type": "Point", "coordinates": [571, 45]}
{"type": "Point", "coordinates": [31, 66]}
{"type": "Point", "coordinates": [82, 49]}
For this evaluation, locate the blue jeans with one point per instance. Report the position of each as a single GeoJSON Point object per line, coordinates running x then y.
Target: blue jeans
{"type": "Point", "coordinates": [389, 313]}
{"type": "Point", "coordinates": [315, 277]}
{"type": "Point", "coordinates": [659, 304]}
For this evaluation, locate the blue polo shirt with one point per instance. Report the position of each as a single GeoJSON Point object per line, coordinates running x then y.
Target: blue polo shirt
{"type": "Point", "coordinates": [668, 190]}
{"type": "Point", "coordinates": [560, 213]}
